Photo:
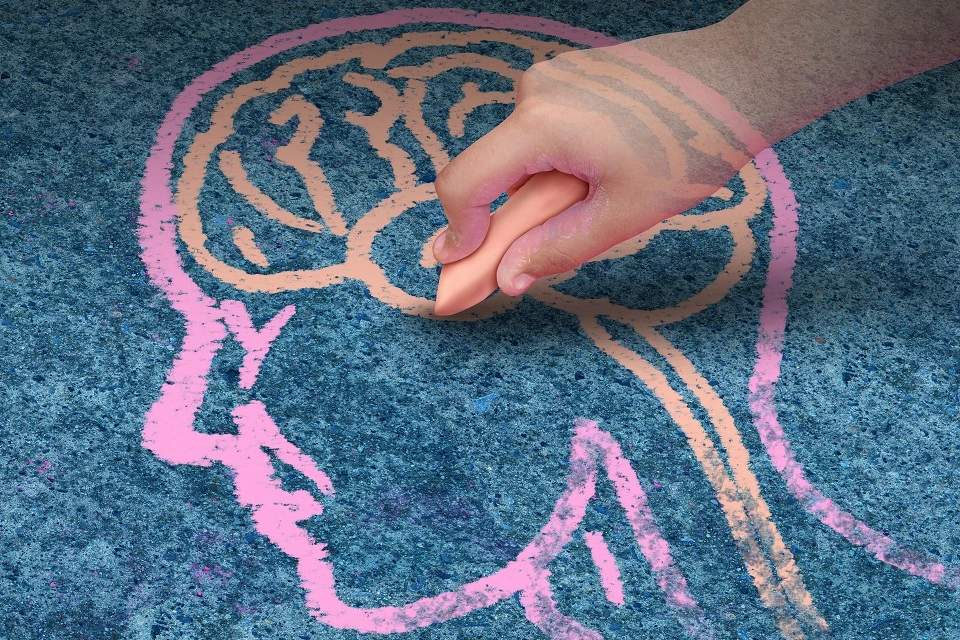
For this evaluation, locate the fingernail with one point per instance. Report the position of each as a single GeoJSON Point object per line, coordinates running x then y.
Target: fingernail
{"type": "Point", "coordinates": [522, 281]}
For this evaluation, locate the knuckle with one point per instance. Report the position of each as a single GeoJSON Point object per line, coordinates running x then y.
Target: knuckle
{"type": "Point", "coordinates": [531, 114]}
{"type": "Point", "coordinates": [443, 185]}
{"type": "Point", "coordinates": [564, 57]}
{"type": "Point", "coordinates": [531, 80]}
{"type": "Point", "coordinates": [528, 77]}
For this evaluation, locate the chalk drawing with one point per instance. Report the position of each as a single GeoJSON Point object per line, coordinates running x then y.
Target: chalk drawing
{"type": "Point", "coordinates": [607, 565]}
{"type": "Point", "coordinates": [169, 214]}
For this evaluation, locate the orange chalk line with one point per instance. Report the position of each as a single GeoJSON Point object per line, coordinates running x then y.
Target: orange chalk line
{"type": "Point", "coordinates": [728, 493]}
{"type": "Point", "coordinates": [723, 193]}
{"type": "Point", "coordinates": [231, 166]}
{"type": "Point", "coordinates": [732, 272]}
{"type": "Point", "coordinates": [296, 154]}
{"type": "Point", "coordinates": [743, 479]}
{"type": "Point", "coordinates": [417, 76]}
{"type": "Point", "coordinates": [377, 126]}
{"type": "Point", "coordinates": [189, 221]}
{"type": "Point", "coordinates": [371, 55]}
{"type": "Point", "coordinates": [472, 99]}
{"type": "Point", "coordinates": [707, 140]}
{"type": "Point", "coordinates": [738, 460]}
{"type": "Point", "coordinates": [360, 264]}
{"type": "Point", "coordinates": [247, 244]}
{"type": "Point", "coordinates": [442, 64]}
{"type": "Point", "coordinates": [414, 94]}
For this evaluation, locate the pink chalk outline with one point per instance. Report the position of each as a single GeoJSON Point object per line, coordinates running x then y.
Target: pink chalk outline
{"type": "Point", "coordinates": [762, 386]}
{"type": "Point", "coordinates": [169, 424]}
{"type": "Point", "coordinates": [607, 565]}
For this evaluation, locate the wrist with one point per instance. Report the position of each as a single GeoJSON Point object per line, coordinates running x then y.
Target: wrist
{"type": "Point", "coordinates": [721, 70]}
{"type": "Point", "coordinates": [697, 70]}
{"type": "Point", "coordinates": [783, 66]}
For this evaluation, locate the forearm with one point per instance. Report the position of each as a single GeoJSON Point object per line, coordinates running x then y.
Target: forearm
{"type": "Point", "coordinates": [783, 63]}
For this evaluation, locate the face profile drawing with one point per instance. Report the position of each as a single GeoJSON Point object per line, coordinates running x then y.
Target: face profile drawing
{"type": "Point", "coordinates": [289, 198]}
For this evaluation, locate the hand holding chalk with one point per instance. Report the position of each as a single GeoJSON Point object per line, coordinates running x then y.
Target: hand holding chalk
{"type": "Point", "coordinates": [647, 152]}
{"type": "Point", "coordinates": [469, 281]}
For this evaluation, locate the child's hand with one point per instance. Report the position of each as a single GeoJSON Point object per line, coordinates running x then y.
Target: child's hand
{"type": "Point", "coordinates": [646, 153]}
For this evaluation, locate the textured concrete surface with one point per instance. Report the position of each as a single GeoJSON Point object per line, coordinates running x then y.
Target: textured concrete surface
{"type": "Point", "coordinates": [448, 444]}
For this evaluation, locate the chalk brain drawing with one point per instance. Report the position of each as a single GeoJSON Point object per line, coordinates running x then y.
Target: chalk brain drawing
{"type": "Point", "coordinates": [288, 210]}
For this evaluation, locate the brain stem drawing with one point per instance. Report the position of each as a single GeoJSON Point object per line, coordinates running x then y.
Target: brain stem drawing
{"type": "Point", "coordinates": [173, 216]}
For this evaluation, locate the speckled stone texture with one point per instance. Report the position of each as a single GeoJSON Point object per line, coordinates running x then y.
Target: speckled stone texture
{"type": "Point", "coordinates": [448, 443]}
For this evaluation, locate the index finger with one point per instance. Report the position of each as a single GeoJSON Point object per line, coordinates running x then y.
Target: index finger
{"type": "Point", "coordinates": [475, 178]}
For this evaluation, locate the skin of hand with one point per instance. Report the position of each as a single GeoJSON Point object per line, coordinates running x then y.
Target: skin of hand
{"type": "Point", "coordinates": [645, 148]}
{"type": "Point", "coordinates": [575, 113]}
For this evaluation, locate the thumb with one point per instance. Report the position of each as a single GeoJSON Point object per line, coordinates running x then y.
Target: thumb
{"type": "Point", "coordinates": [502, 158]}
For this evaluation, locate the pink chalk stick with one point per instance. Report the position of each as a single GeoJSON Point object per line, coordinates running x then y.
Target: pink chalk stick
{"type": "Point", "coordinates": [467, 282]}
